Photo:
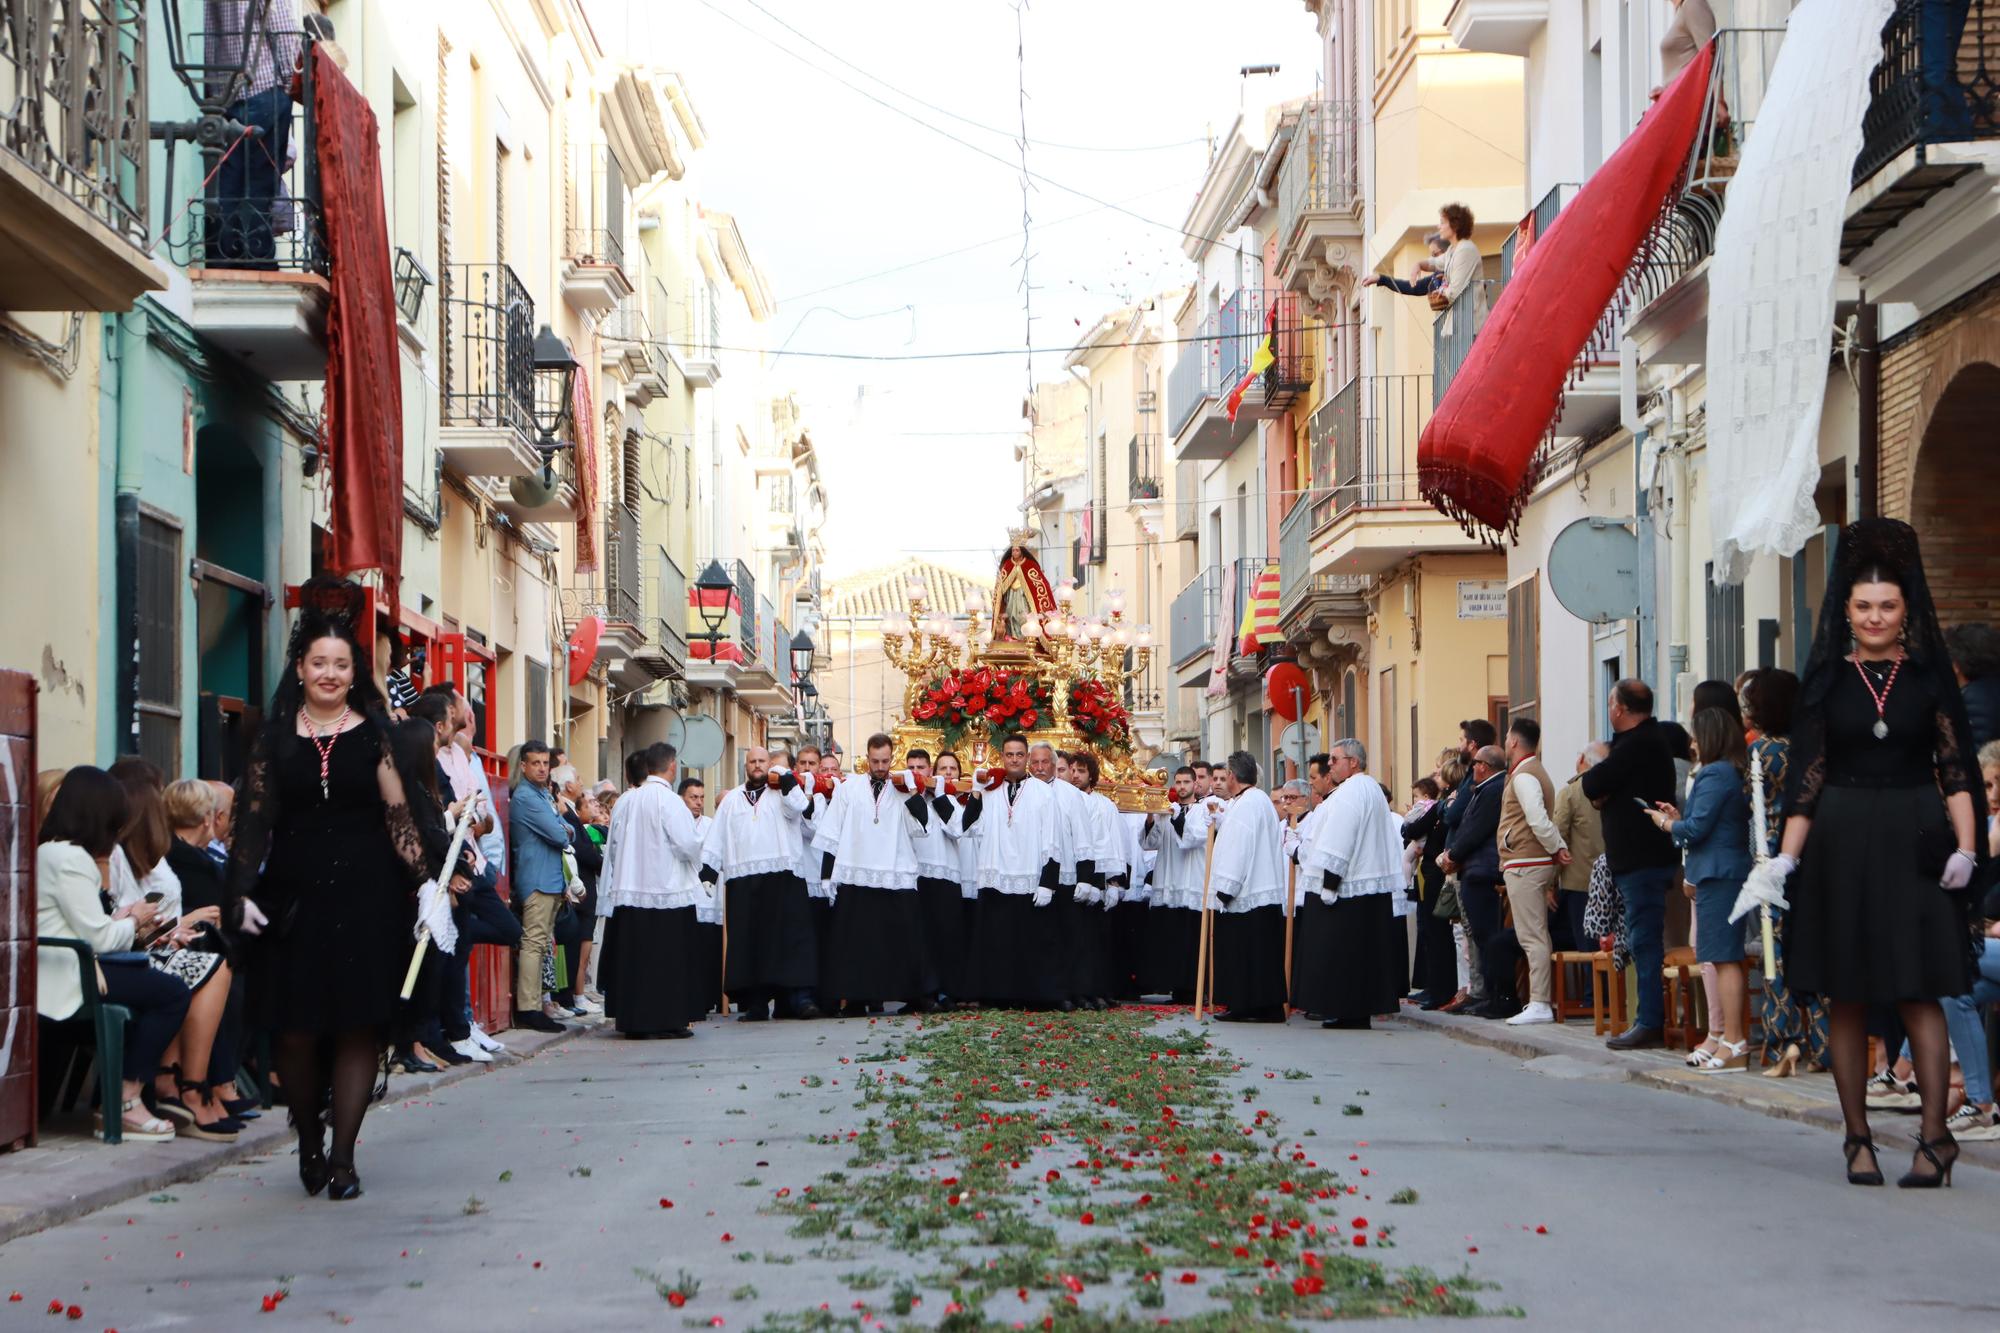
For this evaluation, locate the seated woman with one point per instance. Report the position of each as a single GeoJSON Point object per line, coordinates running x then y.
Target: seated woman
{"type": "Point", "coordinates": [192, 807]}
{"type": "Point", "coordinates": [79, 835]}
{"type": "Point", "coordinates": [140, 873]}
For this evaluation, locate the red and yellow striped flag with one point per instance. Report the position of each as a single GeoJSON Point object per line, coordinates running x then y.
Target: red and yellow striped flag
{"type": "Point", "coordinates": [1260, 617]}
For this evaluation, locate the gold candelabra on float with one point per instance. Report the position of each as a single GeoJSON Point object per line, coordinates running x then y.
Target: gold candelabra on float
{"type": "Point", "coordinates": [936, 642]}
{"type": "Point", "coordinates": [1078, 648]}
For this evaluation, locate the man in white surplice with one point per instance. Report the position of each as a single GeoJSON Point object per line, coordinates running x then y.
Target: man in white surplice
{"type": "Point", "coordinates": [648, 891]}
{"type": "Point", "coordinates": [1015, 958]}
{"type": "Point", "coordinates": [1248, 888]}
{"type": "Point", "coordinates": [754, 848]}
{"type": "Point", "coordinates": [875, 951]}
{"type": "Point", "coordinates": [1351, 957]}
{"type": "Point", "coordinates": [1179, 839]}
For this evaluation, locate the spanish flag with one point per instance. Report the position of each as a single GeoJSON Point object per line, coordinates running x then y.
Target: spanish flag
{"type": "Point", "coordinates": [1260, 617]}
{"type": "Point", "coordinates": [1260, 361]}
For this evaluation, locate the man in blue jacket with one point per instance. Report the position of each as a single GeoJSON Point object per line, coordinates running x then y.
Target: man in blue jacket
{"type": "Point", "coordinates": [539, 837]}
{"type": "Point", "coordinates": [1473, 854]}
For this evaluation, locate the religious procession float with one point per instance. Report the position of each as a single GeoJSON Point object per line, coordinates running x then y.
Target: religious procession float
{"type": "Point", "coordinates": [1022, 662]}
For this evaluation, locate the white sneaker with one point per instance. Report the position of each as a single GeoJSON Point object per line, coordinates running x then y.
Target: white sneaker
{"type": "Point", "coordinates": [1969, 1123]}
{"type": "Point", "coordinates": [1889, 1093]}
{"type": "Point", "coordinates": [584, 1006]}
{"type": "Point", "coordinates": [1536, 1012]}
{"type": "Point", "coordinates": [485, 1042]}
{"type": "Point", "coordinates": [472, 1050]}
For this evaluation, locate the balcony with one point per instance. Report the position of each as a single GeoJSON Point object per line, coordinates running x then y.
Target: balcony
{"type": "Point", "coordinates": [1291, 370]}
{"type": "Point", "coordinates": [1367, 510]}
{"type": "Point", "coordinates": [548, 494]}
{"type": "Point", "coordinates": [1243, 573]}
{"type": "Point", "coordinates": [1934, 99]}
{"type": "Point", "coordinates": [1196, 612]}
{"type": "Point", "coordinates": [74, 155]}
{"type": "Point", "coordinates": [624, 590]}
{"type": "Point", "coordinates": [1319, 197]}
{"type": "Point", "coordinates": [1311, 599]}
{"type": "Point", "coordinates": [593, 271]}
{"type": "Point", "coordinates": [766, 681]}
{"type": "Point", "coordinates": [1143, 465]}
{"type": "Point", "coordinates": [254, 243]}
{"type": "Point", "coordinates": [1503, 27]}
{"type": "Point", "coordinates": [1187, 501]}
{"type": "Point", "coordinates": [701, 336]}
{"type": "Point", "coordinates": [621, 341]}
{"type": "Point", "coordinates": [1209, 369]}
{"type": "Point", "coordinates": [718, 659]}
{"type": "Point", "coordinates": [1669, 300]}
{"type": "Point", "coordinates": [665, 652]}
{"type": "Point", "coordinates": [1453, 330]}
{"type": "Point", "coordinates": [487, 326]}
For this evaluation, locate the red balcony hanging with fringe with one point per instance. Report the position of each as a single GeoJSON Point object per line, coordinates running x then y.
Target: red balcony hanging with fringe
{"type": "Point", "coordinates": [364, 379]}
{"type": "Point", "coordinates": [1478, 459]}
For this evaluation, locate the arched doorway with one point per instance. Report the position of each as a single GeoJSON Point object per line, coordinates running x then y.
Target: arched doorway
{"type": "Point", "coordinates": [1950, 496]}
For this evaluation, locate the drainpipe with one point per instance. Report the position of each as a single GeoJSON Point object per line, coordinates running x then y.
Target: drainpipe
{"type": "Point", "coordinates": [1646, 664]}
{"type": "Point", "coordinates": [1678, 592]}
{"type": "Point", "coordinates": [1868, 386]}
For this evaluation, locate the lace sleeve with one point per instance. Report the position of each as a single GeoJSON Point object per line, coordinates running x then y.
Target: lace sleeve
{"type": "Point", "coordinates": [403, 833]}
{"type": "Point", "coordinates": [256, 816]}
{"type": "Point", "coordinates": [1953, 773]}
{"type": "Point", "coordinates": [1805, 767]}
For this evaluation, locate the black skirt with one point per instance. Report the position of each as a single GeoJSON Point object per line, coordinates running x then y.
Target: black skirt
{"type": "Point", "coordinates": [771, 937]}
{"type": "Point", "coordinates": [1868, 924]}
{"type": "Point", "coordinates": [942, 906]}
{"type": "Point", "coordinates": [1349, 959]}
{"type": "Point", "coordinates": [652, 969]}
{"type": "Point", "coordinates": [708, 968]}
{"type": "Point", "coordinates": [1250, 959]}
{"type": "Point", "coordinates": [1014, 955]}
{"type": "Point", "coordinates": [1126, 934]}
{"type": "Point", "coordinates": [1089, 967]}
{"type": "Point", "coordinates": [875, 947]}
{"type": "Point", "coordinates": [1173, 938]}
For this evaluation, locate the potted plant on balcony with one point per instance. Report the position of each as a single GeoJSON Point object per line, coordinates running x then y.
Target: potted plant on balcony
{"type": "Point", "coordinates": [1146, 488]}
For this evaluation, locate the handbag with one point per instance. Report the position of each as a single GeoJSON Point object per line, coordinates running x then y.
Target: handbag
{"type": "Point", "coordinates": [1447, 908]}
{"type": "Point", "coordinates": [1439, 299]}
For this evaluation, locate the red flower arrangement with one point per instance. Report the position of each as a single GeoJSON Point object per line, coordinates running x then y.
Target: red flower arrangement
{"type": "Point", "coordinates": [1003, 703]}
{"type": "Point", "coordinates": [1099, 717]}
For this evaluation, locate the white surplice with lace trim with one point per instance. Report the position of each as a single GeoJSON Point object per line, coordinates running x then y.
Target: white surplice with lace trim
{"type": "Point", "coordinates": [871, 835]}
{"type": "Point", "coordinates": [1249, 864]}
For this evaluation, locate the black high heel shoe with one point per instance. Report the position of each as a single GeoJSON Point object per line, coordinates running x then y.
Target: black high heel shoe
{"type": "Point", "coordinates": [1935, 1153]}
{"type": "Point", "coordinates": [342, 1184]}
{"type": "Point", "coordinates": [312, 1167]}
{"type": "Point", "coordinates": [1855, 1143]}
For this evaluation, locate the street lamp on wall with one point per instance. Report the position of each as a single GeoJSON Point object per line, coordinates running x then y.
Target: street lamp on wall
{"type": "Point", "coordinates": [802, 660]}
{"type": "Point", "coordinates": [712, 592]}
{"type": "Point", "coordinates": [555, 382]}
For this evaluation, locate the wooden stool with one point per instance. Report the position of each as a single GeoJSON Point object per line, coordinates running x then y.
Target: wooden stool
{"type": "Point", "coordinates": [1607, 995]}
{"type": "Point", "coordinates": [1580, 1004]}
{"type": "Point", "coordinates": [1681, 999]}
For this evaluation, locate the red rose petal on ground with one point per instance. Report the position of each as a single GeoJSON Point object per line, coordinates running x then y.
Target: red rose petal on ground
{"type": "Point", "coordinates": [270, 1304]}
{"type": "Point", "coordinates": [1541, 1231]}
{"type": "Point", "coordinates": [676, 1299]}
{"type": "Point", "coordinates": [1472, 1249]}
{"type": "Point", "coordinates": [666, 1203]}
{"type": "Point", "coordinates": [1361, 1240]}
{"type": "Point", "coordinates": [1088, 1219]}
{"type": "Point", "coordinates": [726, 1238]}
{"type": "Point", "coordinates": [1188, 1279]}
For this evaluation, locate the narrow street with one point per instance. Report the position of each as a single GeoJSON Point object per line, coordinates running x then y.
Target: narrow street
{"type": "Point", "coordinates": [539, 1196]}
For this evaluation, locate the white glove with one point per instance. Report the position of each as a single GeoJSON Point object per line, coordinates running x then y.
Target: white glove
{"type": "Point", "coordinates": [826, 886]}
{"type": "Point", "coordinates": [1086, 894]}
{"type": "Point", "coordinates": [1112, 896]}
{"type": "Point", "coordinates": [1958, 870]}
{"type": "Point", "coordinates": [254, 920]}
{"type": "Point", "coordinates": [1327, 896]}
{"type": "Point", "coordinates": [1765, 887]}
{"type": "Point", "coordinates": [1785, 864]}
{"type": "Point", "coordinates": [1043, 897]}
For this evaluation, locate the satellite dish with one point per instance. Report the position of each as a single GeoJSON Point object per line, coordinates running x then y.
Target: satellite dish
{"type": "Point", "coordinates": [701, 742]}
{"type": "Point", "coordinates": [676, 734]}
{"type": "Point", "coordinates": [583, 647]}
{"type": "Point", "coordinates": [1594, 570]}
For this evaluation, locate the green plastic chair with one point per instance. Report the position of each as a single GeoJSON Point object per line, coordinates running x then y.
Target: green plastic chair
{"type": "Point", "coordinates": [109, 1022]}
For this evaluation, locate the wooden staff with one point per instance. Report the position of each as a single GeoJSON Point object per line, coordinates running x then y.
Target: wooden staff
{"type": "Point", "coordinates": [1761, 839]}
{"type": "Point", "coordinates": [1205, 935]}
{"type": "Point", "coordinates": [722, 1000]}
{"type": "Point", "coordinates": [1291, 898]}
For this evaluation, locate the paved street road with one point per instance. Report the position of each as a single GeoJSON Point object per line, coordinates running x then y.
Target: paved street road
{"type": "Point", "coordinates": [1660, 1210]}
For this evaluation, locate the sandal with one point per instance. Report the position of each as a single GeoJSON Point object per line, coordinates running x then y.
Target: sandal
{"type": "Point", "coordinates": [1727, 1057]}
{"type": "Point", "coordinates": [1700, 1055]}
{"type": "Point", "coordinates": [136, 1122]}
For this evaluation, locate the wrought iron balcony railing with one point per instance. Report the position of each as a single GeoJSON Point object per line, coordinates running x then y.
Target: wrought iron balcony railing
{"type": "Point", "coordinates": [1196, 610]}
{"type": "Point", "coordinates": [1938, 80]}
{"type": "Point", "coordinates": [594, 204]}
{"type": "Point", "coordinates": [624, 601]}
{"type": "Point", "coordinates": [1453, 330]}
{"type": "Point", "coordinates": [73, 102]}
{"type": "Point", "coordinates": [1322, 169]}
{"type": "Point", "coordinates": [488, 332]}
{"type": "Point", "coordinates": [1364, 445]}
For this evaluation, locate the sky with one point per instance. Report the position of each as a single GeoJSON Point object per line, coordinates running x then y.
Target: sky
{"type": "Point", "coordinates": [842, 180]}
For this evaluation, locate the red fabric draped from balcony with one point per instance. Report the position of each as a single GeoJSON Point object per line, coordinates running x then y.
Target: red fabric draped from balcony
{"type": "Point", "coordinates": [364, 381]}
{"type": "Point", "coordinates": [1478, 458]}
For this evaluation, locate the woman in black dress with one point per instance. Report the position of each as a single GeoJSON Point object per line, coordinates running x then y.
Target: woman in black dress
{"type": "Point", "coordinates": [326, 819]}
{"type": "Point", "coordinates": [1886, 827]}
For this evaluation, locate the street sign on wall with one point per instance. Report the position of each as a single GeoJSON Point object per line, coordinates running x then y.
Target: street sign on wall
{"type": "Point", "coordinates": [1482, 599]}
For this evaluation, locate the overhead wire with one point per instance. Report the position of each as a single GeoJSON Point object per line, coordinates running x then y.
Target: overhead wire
{"type": "Point", "coordinates": [1255, 335]}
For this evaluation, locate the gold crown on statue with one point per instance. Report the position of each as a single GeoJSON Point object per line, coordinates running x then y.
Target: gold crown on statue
{"type": "Point", "coordinates": [1023, 537]}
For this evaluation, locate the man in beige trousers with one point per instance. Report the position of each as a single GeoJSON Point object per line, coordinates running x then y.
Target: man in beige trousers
{"type": "Point", "coordinates": [1532, 853]}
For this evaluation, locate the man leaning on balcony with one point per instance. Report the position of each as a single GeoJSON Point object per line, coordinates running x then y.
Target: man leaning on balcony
{"type": "Point", "coordinates": [261, 39]}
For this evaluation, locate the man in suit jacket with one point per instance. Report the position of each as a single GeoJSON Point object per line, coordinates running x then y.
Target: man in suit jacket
{"type": "Point", "coordinates": [1473, 854]}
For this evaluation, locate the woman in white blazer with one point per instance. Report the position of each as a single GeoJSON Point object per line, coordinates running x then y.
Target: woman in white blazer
{"type": "Point", "coordinates": [82, 828]}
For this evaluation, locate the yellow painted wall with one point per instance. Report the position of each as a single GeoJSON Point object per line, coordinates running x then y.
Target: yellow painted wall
{"type": "Point", "coordinates": [1447, 667]}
